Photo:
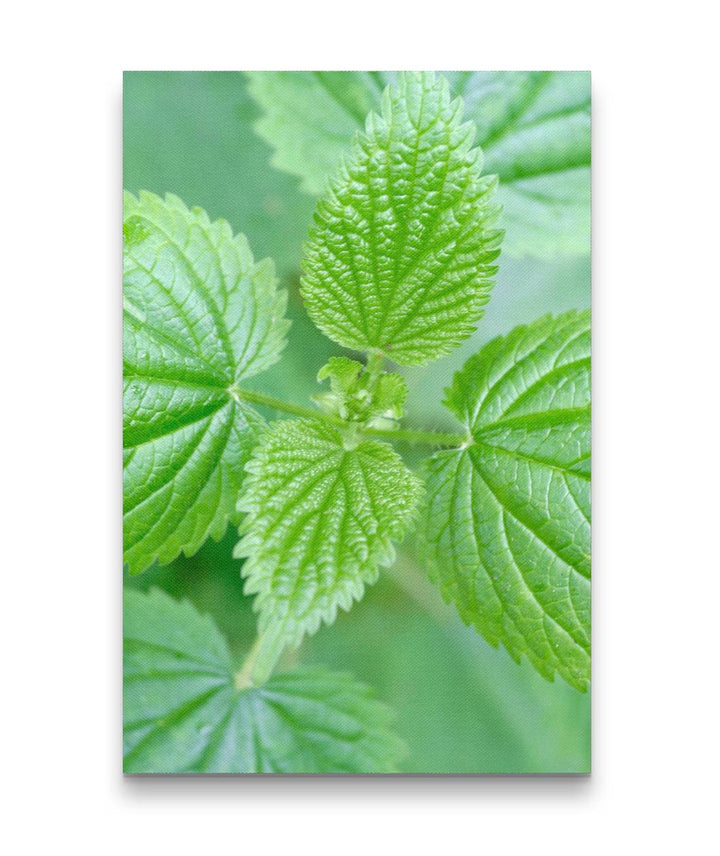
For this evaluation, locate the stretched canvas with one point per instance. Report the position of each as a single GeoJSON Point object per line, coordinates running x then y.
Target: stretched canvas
{"type": "Point", "coordinates": [356, 422]}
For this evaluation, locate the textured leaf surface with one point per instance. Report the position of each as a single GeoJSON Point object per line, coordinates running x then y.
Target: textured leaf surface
{"type": "Point", "coordinates": [199, 315]}
{"type": "Point", "coordinates": [183, 713]}
{"type": "Point", "coordinates": [320, 519]}
{"type": "Point", "coordinates": [400, 256]}
{"type": "Point", "coordinates": [534, 128]}
{"type": "Point", "coordinates": [507, 522]}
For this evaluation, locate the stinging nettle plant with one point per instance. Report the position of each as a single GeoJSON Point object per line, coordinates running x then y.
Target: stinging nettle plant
{"type": "Point", "coordinates": [399, 263]}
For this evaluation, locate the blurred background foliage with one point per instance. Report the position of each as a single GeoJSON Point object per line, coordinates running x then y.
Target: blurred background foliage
{"type": "Point", "coordinates": [461, 705]}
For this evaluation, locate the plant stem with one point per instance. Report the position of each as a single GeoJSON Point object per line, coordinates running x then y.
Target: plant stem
{"type": "Point", "coordinates": [262, 659]}
{"type": "Point", "coordinates": [282, 406]}
{"type": "Point", "coordinates": [374, 368]}
{"type": "Point", "coordinates": [242, 677]}
{"type": "Point", "coordinates": [429, 438]}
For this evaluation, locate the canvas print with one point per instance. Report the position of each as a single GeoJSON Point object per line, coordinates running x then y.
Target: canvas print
{"type": "Point", "coordinates": [356, 433]}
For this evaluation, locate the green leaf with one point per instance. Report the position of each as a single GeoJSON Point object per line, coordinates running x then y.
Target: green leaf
{"type": "Point", "coordinates": [400, 254]}
{"type": "Point", "coordinates": [310, 118]}
{"type": "Point", "coordinates": [199, 315]}
{"type": "Point", "coordinates": [184, 714]}
{"type": "Point", "coordinates": [507, 521]}
{"type": "Point", "coordinates": [357, 394]}
{"type": "Point", "coordinates": [533, 127]}
{"type": "Point", "coordinates": [322, 511]}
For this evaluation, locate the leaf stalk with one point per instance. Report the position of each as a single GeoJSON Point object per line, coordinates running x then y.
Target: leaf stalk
{"type": "Point", "coordinates": [427, 438]}
{"type": "Point", "coordinates": [262, 659]}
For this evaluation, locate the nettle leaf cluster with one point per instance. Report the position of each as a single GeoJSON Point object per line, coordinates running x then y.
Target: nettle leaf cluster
{"type": "Point", "coordinates": [533, 128]}
{"type": "Point", "coordinates": [398, 265]}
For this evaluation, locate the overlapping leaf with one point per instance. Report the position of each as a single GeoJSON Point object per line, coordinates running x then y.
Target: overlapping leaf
{"type": "Point", "coordinates": [199, 315]}
{"type": "Point", "coordinates": [184, 714]}
{"type": "Point", "coordinates": [400, 256]}
{"type": "Point", "coordinates": [310, 118]}
{"type": "Point", "coordinates": [507, 522]}
{"type": "Point", "coordinates": [321, 516]}
{"type": "Point", "coordinates": [534, 128]}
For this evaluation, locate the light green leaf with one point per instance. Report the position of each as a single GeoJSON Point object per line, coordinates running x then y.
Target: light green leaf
{"type": "Point", "coordinates": [310, 118]}
{"type": "Point", "coordinates": [322, 512]}
{"type": "Point", "coordinates": [507, 521]}
{"type": "Point", "coordinates": [533, 127]}
{"type": "Point", "coordinates": [401, 250]}
{"type": "Point", "coordinates": [199, 315]}
{"type": "Point", "coordinates": [357, 394]}
{"type": "Point", "coordinates": [184, 714]}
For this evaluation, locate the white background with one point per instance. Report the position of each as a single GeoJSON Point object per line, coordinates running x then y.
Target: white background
{"type": "Point", "coordinates": [656, 473]}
